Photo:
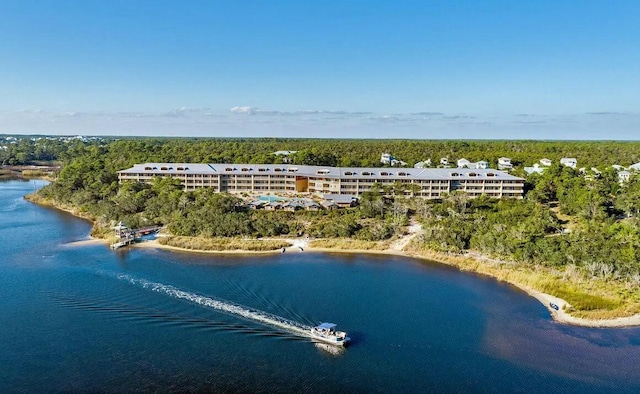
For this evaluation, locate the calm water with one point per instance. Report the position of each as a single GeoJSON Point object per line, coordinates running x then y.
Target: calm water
{"type": "Point", "coordinates": [84, 318]}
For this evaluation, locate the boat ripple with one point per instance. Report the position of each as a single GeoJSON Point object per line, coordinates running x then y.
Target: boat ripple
{"type": "Point", "coordinates": [222, 306]}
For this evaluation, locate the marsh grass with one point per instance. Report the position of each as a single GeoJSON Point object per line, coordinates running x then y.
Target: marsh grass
{"type": "Point", "coordinates": [223, 244]}
{"type": "Point", "coordinates": [589, 298]}
{"type": "Point", "coordinates": [348, 244]}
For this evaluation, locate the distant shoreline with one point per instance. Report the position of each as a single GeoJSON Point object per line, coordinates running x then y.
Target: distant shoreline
{"type": "Point", "coordinates": [302, 245]}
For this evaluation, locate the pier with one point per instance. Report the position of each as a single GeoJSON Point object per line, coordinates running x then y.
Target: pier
{"type": "Point", "coordinates": [127, 236]}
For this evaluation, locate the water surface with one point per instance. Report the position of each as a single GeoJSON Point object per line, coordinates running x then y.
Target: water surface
{"type": "Point", "coordinates": [85, 318]}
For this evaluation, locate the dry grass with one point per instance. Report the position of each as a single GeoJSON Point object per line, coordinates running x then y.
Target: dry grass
{"type": "Point", "coordinates": [348, 244]}
{"type": "Point", "coordinates": [590, 298]}
{"type": "Point", "coordinates": [223, 244]}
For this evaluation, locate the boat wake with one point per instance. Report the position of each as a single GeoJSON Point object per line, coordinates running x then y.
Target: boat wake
{"type": "Point", "coordinates": [227, 307]}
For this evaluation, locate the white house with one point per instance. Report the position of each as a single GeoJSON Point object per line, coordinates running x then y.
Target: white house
{"type": "Point", "coordinates": [635, 167]}
{"type": "Point", "coordinates": [623, 176]}
{"type": "Point", "coordinates": [464, 163]}
{"type": "Point", "coordinates": [545, 162]}
{"type": "Point", "coordinates": [423, 164]}
{"type": "Point", "coordinates": [444, 161]}
{"type": "Point", "coordinates": [569, 162]}
{"type": "Point", "coordinates": [284, 152]}
{"type": "Point", "coordinates": [536, 168]}
{"type": "Point", "coordinates": [481, 165]}
{"type": "Point", "coordinates": [387, 158]}
{"type": "Point", "coordinates": [504, 163]}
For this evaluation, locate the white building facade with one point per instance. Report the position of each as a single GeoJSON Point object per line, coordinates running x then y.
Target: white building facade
{"type": "Point", "coordinates": [290, 179]}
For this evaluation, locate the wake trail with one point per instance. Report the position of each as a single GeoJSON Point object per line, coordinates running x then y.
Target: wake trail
{"type": "Point", "coordinates": [222, 306]}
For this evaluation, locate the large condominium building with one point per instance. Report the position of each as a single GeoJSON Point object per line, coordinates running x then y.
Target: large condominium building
{"type": "Point", "coordinates": [282, 178]}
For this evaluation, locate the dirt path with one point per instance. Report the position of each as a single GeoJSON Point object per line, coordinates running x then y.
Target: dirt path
{"type": "Point", "coordinates": [413, 230]}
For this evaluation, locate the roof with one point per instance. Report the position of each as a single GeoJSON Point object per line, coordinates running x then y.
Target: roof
{"type": "Point", "coordinates": [340, 198]}
{"type": "Point", "coordinates": [327, 326]}
{"type": "Point", "coordinates": [319, 171]}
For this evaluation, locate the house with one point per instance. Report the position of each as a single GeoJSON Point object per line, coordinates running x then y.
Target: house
{"type": "Point", "coordinates": [504, 163]}
{"type": "Point", "coordinates": [618, 167]}
{"type": "Point", "coordinates": [286, 154]}
{"type": "Point", "coordinates": [273, 206]}
{"type": "Point", "coordinates": [256, 204]}
{"type": "Point", "coordinates": [423, 164]}
{"type": "Point", "coordinates": [343, 200]}
{"type": "Point", "coordinates": [481, 165]}
{"type": "Point", "coordinates": [311, 206]}
{"type": "Point", "coordinates": [387, 158]}
{"type": "Point", "coordinates": [569, 162]}
{"type": "Point", "coordinates": [291, 206]}
{"type": "Point", "coordinates": [536, 168]}
{"type": "Point", "coordinates": [464, 163]}
{"type": "Point", "coordinates": [635, 167]}
{"type": "Point", "coordinates": [623, 176]}
{"type": "Point", "coordinates": [329, 205]}
{"type": "Point", "coordinates": [444, 162]}
{"type": "Point", "coordinates": [545, 162]}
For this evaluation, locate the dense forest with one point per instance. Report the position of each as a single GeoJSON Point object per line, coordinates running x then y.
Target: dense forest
{"type": "Point", "coordinates": [587, 222]}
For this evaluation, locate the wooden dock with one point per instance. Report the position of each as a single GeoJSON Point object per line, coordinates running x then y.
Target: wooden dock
{"type": "Point", "coordinates": [128, 236]}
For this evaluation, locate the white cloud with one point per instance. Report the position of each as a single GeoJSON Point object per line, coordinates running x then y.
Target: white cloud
{"type": "Point", "coordinates": [243, 110]}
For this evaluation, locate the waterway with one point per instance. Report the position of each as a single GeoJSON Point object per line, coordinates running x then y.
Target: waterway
{"type": "Point", "coordinates": [80, 317]}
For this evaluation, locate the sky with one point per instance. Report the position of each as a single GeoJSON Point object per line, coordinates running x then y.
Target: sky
{"type": "Point", "coordinates": [341, 69]}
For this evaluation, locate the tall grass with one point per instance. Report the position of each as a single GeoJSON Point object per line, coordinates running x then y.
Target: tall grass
{"type": "Point", "coordinates": [223, 244]}
{"type": "Point", "coordinates": [348, 244]}
{"type": "Point", "coordinates": [589, 298]}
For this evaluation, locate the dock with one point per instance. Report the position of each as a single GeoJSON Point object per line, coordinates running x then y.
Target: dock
{"type": "Point", "coordinates": [127, 236]}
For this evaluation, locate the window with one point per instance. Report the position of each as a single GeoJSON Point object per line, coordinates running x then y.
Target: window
{"type": "Point", "coordinates": [147, 168]}
{"type": "Point", "coordinates": [384, 173]}
{"type": "Point", "coordinates": [455, 174]}
{"type": "Point", "coordinates": [348, 173]}
{"type": "Point", "coordinates": [163, 168]}
{"type": "Point", "coordinates": [180, 168]}
{"type": "Point", "coordinates": [473, 174]}
{"type": "Point", "coordinates": [228, 169]}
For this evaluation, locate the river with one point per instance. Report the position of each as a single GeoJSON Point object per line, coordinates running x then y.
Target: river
{"type": "Point", "coordinates": [80, 317]}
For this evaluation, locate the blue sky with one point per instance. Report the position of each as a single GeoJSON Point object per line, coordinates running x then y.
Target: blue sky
{"type": "Point", "coordinates": [411, 69]}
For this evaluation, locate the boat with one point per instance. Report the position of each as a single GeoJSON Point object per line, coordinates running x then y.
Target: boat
{"type": "Point", "coordinates": [326, 332]}
{"type": "Point", "coordinates": [554, 306]}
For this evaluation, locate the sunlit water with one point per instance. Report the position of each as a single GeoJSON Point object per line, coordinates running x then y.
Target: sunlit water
{"type": "Point", "coordinates": [84, 318]}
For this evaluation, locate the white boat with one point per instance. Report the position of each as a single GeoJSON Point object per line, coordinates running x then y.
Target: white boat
{"type": "Point", "coordinates": [326, 332]}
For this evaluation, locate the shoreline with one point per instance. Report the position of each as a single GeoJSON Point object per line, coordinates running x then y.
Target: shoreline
{"type": "Point", "coordinates": [301, 245]}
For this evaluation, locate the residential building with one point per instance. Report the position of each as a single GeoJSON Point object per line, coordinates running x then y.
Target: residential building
{"type": "Point", "coordinates": [545, 162]}
{"type": "Point", "coordinates": [464, 163]}
{"type": "Point", "coordinates": [423, 164]}
{"type": "Point", "coordinates": [569, 162]}
{"type": "Point", "coordinates": [535, 169]}
{"type": "Point", "coordinates": [504, 163]}
{"type": "Point", "coordinates": [290, 179]}
{"type": "Point", "coordinates": [623, 176]}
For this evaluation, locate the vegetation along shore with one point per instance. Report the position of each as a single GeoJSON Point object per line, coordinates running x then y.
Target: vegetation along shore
{"type": "Point", "coordinates": [571, 241]}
